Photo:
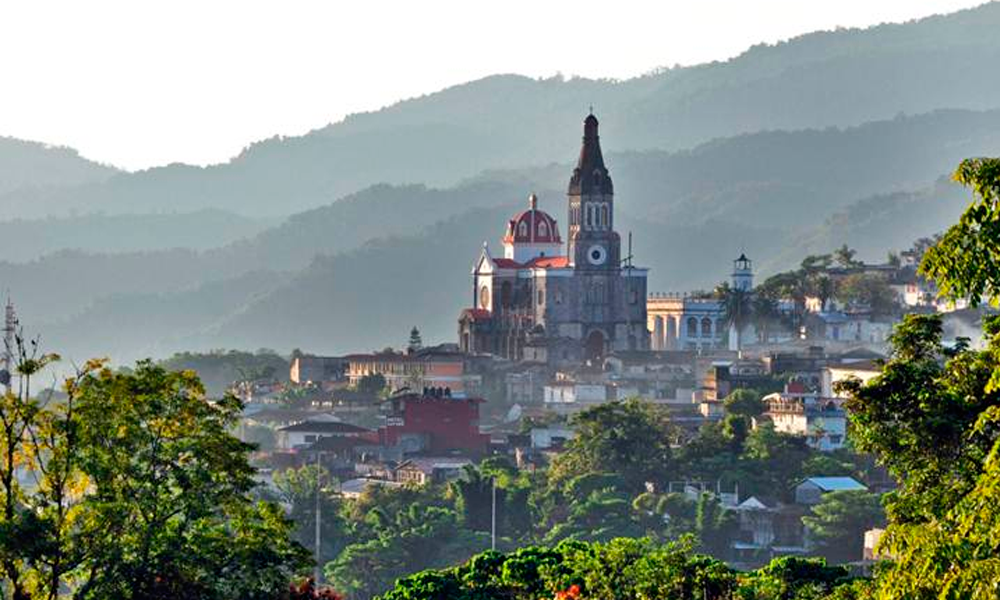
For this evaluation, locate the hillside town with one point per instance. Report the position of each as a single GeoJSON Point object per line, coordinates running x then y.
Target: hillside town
{"type": "Point", "coordinates": [556, 328]}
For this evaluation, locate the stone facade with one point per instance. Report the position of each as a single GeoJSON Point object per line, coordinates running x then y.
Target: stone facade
{"type": "Point", "coordinates": [539, 304]}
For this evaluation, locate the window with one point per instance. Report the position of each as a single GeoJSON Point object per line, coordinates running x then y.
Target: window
{"type": "Point", "coordinates": [522, 229]}
{"type": "Point", "coordinates": [541, 297]}
{"type": "Point", "coordinates": [836, 439]}
{"type": "Point", "coordinates": [605, 216]}
{"type": "Point", "coordinates": [692, 326]}
{"type": "Point", "coordinates": [543, 229]}
{"type": "Point", "coordinates": [310, 438]}
{"type": "Point", "coordinates": [706, 327]}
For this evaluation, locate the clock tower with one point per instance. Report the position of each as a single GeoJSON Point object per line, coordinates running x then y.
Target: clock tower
{"type": "Point", "coordinates": [593, 243]}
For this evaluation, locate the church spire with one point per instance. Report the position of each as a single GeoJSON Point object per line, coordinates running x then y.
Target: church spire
{"type": "Point", "coordinates": [590, 175]}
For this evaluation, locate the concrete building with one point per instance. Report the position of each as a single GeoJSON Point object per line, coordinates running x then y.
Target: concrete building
{"type": "Point", "coordinates": [822, 421]}
{"type": "Point", "coordinates": [541, 303]}
{"type": "Point", "coordinates": [427, 368]}
{"type": "Point", "coordinates": [679, 321]}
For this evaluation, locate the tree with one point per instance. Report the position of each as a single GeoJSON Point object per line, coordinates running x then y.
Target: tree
{"type": "Point", "coordinates": [714, 525]}
{"type": "Point", "coordinates": [737, 309]}
{"type": "Point", "coordinates": [142, 492]}
{"type": "Point", "coordinates": [919, 415]}
{"type": "Point", "coordinates": [965, 263]}
{"type": "Point", "coordinates": [631, 438]}
{"type": "Point", "coordinates": [839, 521]}
{"type": "Point", "coordinates": [869, 290]}
{"type": "Point", "coordinates": [765, 314]}
{"type": "Point", "coordinates": [415, 342]}
{"type": "Point", "coordinates": [744, 402]}
{"type": "Point", "coordinates": [373, 384]}
{"type": "Point", "coordinates": [844, 257]}
{"type": "Point", "coordinates": [298, 489]}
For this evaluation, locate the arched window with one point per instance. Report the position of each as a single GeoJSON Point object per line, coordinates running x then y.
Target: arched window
{"type": "Point", "coordinates": [543, 229]}
{"type": "Point", "coordinates": [587, 219]}
{"type": "Point", "coordinates": [706, 327]}
{"type": "Point", "coordinates": [692, 325]}
{"type": "Point", "coordinates": [605, 216]}
{"type": "Point", "coordinates": [522, 229]}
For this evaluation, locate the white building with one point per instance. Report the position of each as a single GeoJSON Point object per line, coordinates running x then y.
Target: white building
{"type": "Point", "coordinates": [306, 433]}
{"type": "Point", "coordinates": [821, 420]}
{"type": "Point", "coordinates": [688, 322]}
{"type": "Point", "coordinates": [572, 393]}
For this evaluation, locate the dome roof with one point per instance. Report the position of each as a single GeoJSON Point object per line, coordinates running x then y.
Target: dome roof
{"type": "Point", "coordinates": [532, 226]}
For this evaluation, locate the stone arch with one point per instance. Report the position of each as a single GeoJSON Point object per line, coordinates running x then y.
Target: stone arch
{"type": "Point", "coordinates": [692, 327]}
{"type": "Point", "coordinates": [594, 345]}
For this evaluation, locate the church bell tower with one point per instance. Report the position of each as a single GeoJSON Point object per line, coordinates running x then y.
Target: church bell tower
{"type": "Point", "coordinates": [593, 243]}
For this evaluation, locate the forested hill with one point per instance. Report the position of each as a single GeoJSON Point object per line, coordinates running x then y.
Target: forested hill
{"type": "Point", "coordinates": [844, 77]}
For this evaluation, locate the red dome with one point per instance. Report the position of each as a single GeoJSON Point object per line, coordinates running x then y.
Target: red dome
{"type": "Point", "coordinates": [532, 226]}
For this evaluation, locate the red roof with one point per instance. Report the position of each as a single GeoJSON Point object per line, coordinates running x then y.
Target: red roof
{"type": "Point", "coordinates": [541, 262]}
{"type": "Point", "coordinates": [532, 226]}
{"type": "Point", "coordinates": [477, 314]}
{"type": "Point", "coordinates": [507, 263]}
{"type": "Point", "coordinates": [549, 262]}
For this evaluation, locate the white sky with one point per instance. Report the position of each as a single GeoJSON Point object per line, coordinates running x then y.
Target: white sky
{"type": "Point", "coordinates": [138, 83]}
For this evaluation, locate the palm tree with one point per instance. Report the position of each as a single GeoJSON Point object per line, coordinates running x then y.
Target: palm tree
{"type": "Point", "coordinates": [765, 313]}
{"type": "Point", "coordinates": [737, 310]}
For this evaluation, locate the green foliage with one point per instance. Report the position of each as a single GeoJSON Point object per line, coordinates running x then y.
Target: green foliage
{"type": "Point", "coordinates": [220, 368]}
{"type": "Point", "coordinates": [621, 568]}
{"type": "Point", "coordinates": [298, 489]}
{"type": "Point", "coordinates": [837, 524]}
{"type": "Point", "coordinates": [373, 384]}
{"type": "Point", "coordinates": [631, 438]}
{"type": "Point", "coordinates": [965, 263]}
{"type": "Point", "coordinates": [919, 415]}
{"type": "Point", "coordinates": [870, 290]}
{"type": "Point", "coordinates": [142, 493]}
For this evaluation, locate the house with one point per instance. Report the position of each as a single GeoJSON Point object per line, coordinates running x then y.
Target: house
{"type": "Point", "coordinates": [865, 371]}
{"type": "Point", "coordinates": [424, 470]}
{"type": "Point", "coordinates": [301, 435]}
{"type": "Point", "coordinates": [353, 488]}
{"type": "Point", "coordinates": [437, 367]}
{"type": "Point", "coordinates": [433, 422]}
{"type": "Point", "coordinates": [553, 436]}
{"type": "Point", "coordinates": [725, 376]}
{"type": "Point", "coordinates": [561, 393]}
{"type": "Point", "coordinates": [811, 490]}
{"type": "Point", "coordinates": [821, 420]}
{"type": "Point", "coordinates": [318, 369]}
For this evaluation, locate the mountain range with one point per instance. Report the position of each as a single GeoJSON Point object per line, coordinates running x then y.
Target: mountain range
{"type": "Point", "coordinates": [344, 238]}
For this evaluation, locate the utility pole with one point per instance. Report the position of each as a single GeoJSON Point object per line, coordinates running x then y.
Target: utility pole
{"type": "Point", "coordinates": [318, 573]}
{"type": "Point", "coordinates": [493, 518]}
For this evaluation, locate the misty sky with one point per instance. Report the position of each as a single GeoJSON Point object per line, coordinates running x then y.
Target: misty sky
{"type": "Point", "coordinates": [145, 83]}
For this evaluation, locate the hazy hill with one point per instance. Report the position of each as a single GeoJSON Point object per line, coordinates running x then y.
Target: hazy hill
{"type": "Point", "coordinates": [773, 194]}
{"type": "Point", "coordinates": [34, 165]}
{"type": "Point", "coordinates": [23, 240]}
{"type": "Point", "coordinates": [844, 77]}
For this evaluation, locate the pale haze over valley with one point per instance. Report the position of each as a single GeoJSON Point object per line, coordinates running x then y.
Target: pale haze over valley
{"type": "Point", "coordinates": [185, 176]}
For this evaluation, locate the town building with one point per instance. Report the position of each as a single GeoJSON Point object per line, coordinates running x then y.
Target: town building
{"type": "Point", "coordinates": [680, 321]}
{"type": "Point", "coordinates": [317, 369]}
{"type": "Point", "coordinates": [426, 368]}
{"type": "Point", "coordinates": [306, 433]}
{"type": "Point", "coordinates": [433, 422]}
{"type": "Point", "coordinates": [547, 303]}
{"type": "Point", "coordinates": [811, 490]}
{"type": "Point", "coordinates": [822, 421]}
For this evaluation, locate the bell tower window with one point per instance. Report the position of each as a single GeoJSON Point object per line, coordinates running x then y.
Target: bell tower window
{"type": "Point", "coordinates": [543, 229]}
{"type": "Point", "coordinates": [522, 229]}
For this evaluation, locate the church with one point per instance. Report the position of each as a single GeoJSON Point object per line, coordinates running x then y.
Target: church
{"type": "Point", "coordinates": [549, 302]}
